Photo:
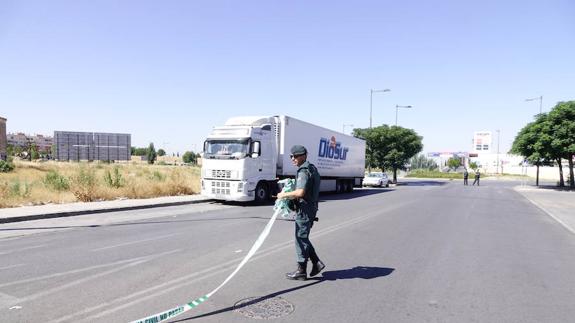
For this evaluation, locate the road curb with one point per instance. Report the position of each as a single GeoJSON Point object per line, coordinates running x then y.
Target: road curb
{"type": "Point", "coordinates": [32, 217]}
{"type": "Point", "coordinates": [540, 207]}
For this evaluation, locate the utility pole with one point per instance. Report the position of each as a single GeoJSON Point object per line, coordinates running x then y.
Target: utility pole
{"type": "Point", "coordinates": [540, 98]}
{"type": "Point", "coordinates": [498, 135]}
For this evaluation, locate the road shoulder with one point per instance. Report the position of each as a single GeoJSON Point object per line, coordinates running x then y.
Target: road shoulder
{"type": "Point", "coordinates": [560, 205]}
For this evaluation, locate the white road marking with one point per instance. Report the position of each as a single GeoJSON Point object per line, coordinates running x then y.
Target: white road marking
{"type": "Point", "coordinates": [13, 266]}
{"type": "Point", "coordinates": [136, 242]}
{"type": "Point", "coordinates": [8, 300]}
{"type": "Point", "coordinates": [181, 282]}
{"type": "Point", "coordinates": [565, 225]}
{"type": "Point", "coordinates": [92, 277]}
{"type": "Point", "coordinates": [75, 271]}
{"type": "Point", "coordinates": [21, 249]}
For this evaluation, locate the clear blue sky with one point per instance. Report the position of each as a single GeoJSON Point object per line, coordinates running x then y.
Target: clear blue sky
{"type": "Point", "coordinates": [168, 71]}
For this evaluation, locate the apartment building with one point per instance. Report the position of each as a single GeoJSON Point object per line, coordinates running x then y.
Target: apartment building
{"type": "Point", "coordinates": [43, 143]}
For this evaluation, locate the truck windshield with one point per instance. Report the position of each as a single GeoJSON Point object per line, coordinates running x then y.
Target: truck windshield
{"type": "Point", "coordinates": [226, 149]}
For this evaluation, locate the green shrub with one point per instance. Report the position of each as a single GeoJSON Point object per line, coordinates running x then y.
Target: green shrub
{"type": "Point", "coordinates": [157, 176]}
{"type": "Point", "coordinates": [6, 167]}
{"type": "Point", "coordinates": [84, 185]}
{"type": "Point", "coordinates": [56, 182]}
{"type": "Point", "coordinates": [423, 173]}
{"type": "Point", "coordinates": [115, 181]}
{"type": "Point", "coordinates": [20, 190]}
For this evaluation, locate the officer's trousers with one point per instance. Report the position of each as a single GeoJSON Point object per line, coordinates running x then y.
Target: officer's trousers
{"type": "Point", "coordinates": [304, 248]}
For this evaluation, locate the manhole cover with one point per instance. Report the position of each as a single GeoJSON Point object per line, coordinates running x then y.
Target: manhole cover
{"type": "Point", "coordinates": [263, 309]}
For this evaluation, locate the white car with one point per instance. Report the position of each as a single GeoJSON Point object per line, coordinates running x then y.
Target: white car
{"type": "Point", "coordinates": [376, 179]}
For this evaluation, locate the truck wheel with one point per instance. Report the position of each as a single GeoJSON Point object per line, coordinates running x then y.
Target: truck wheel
{"type": "Point", "coordinates": [262, 192]}
{"type": "Point", "coordinates": [341, 186]}
{"type": "Point", "coordinates": [350, 186]}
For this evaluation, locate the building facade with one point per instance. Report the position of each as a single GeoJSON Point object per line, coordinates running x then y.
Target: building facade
{"type": "Point", "coordinates": [42, 143]}
{"type": "Point", "coordinates": [3, 139]}
{"type": "Point", "coordinates": [90, 146]}
{"type": "Point", "coordinates": [482, 142]}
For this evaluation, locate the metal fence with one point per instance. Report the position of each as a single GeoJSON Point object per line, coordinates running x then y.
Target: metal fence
{"type": "Point", "coordinates": [91, 146]}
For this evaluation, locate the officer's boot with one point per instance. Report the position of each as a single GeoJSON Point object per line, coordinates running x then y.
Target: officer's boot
{"type": "Point", "coordinates": [317, 267]}
{"type": "Point", "coordinates": [300, 273]}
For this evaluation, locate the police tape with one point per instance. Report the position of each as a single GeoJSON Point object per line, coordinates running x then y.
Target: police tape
{"type": "Point", "coordinates": [188, 306]}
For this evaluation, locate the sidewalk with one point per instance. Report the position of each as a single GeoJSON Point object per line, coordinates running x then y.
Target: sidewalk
{"type": "Point", "coordinates": [48, 211]}
{"type": "Point", "coordinates": [560, 205]}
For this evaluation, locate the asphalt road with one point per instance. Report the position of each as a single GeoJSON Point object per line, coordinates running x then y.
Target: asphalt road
{"type": "Point", "coordinates": [430, 251]}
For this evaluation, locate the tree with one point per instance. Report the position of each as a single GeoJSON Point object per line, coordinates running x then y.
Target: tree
{"type": "Point", "coordinates": [473, 165]}
{"type": "Point", "coordinates": [189, 157]}
{"type": "Point", "coordinates": [34, 152]}
{"type": "Point", "coordinates": [151, 153]}
{"type": "Point", "coordinates": [562, 123]}
{"type": "Point", "coordinates": [139, 151]}
{"type": "Point", "coordinates": [6, 166]}
{"type": "Point", "coordinates": [389, 147]}
{"type": "Point", "coordinates": [161, 152]}
{"type": "Point", "coordinates": [10, 150]}
{"type": "Point", "coordinates": [453, 163]}
{"type": "Point", "coordinates": [534, 143]}
{"type": "Point", "coordinates": [369, 135]}
{"type": "Point", "coordinates": [422, 162]}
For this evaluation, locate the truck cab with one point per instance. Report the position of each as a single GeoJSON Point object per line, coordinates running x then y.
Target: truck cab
{"type": "Point", "coordinates": [239, 160]}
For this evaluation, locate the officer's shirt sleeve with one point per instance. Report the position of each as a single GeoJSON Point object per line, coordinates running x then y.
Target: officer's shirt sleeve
{"type": "Point", "coordinates": [302, 179]}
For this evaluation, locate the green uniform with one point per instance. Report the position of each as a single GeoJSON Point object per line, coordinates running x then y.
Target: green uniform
{"type": "Point", "coordinates": [308, 179]}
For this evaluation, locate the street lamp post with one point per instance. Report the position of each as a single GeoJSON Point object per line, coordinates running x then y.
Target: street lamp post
{"type": "Point", "coordinates": [498, 135]}
{"type": "Point", "coordinates": [343, 127]}
{"type": "Point", "coordinates": [540, 98]}
{"type": "Point", "coordinates": [397, 108]}
{"type": "Point", "coordinates": [371, 91]}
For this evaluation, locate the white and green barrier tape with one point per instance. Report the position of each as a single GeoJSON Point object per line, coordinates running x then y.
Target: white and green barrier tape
{"type": "Point", "coordinates": [280, 208]}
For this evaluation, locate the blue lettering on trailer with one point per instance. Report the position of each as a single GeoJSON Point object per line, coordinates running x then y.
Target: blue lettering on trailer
{"type": "Point", "coordinates": [331, 148]}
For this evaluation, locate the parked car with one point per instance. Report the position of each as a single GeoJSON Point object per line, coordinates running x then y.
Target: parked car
{"type": "Point", "coordinates": [376, 179]}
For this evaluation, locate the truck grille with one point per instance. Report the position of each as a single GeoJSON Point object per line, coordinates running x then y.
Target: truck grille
{"type": "Point", "coordinates": [221, 188]}
{"type": "Point", "coordinates": [220, 173]}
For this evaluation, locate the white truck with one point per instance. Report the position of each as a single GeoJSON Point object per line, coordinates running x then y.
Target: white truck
{"type": "Point", "coordinates": [243, 159]}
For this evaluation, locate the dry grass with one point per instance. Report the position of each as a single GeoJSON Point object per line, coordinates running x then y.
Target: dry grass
{"type": "Point", "coordinates": [34, 183]}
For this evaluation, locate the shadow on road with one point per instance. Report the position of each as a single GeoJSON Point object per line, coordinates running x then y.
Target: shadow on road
{"type": "Point", "coordinates": [324, 196]}
{"type": "Point", "coordinates": [331, 196]}
{"type": "Point", "coordinates": [554, 188]}
{"type": "Point", "coordinates": [252, 302]}
{"type": "Point", "coordinates": [424, 183]}
{"type": "Point", "coordinates": [362, 272]}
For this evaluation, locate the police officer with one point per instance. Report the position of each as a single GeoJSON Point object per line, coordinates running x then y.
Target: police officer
{"type": "Point", "coordinates": [477, 175]}
{"type": "Point", "coordinates": [305, 196]}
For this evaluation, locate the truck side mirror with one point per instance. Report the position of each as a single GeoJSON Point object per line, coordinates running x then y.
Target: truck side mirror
{"type": "Point", "coordinates": [255, 151]}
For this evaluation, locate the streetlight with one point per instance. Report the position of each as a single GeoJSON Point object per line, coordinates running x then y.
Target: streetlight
{"type": "Point", "coordinates": [343, 127]}
{"type": "Point", "coordinates": [498, 135]}
{"type": "Point", "coordinates": [371, 101]}
{"type": "Point", "coordinates": [540, 98]}
{"type": "Point", "coordinates": [397, 108]}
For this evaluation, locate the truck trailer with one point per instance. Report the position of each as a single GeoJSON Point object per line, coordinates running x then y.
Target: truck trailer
{"type": "Point", "coordinates": [244, 159]}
